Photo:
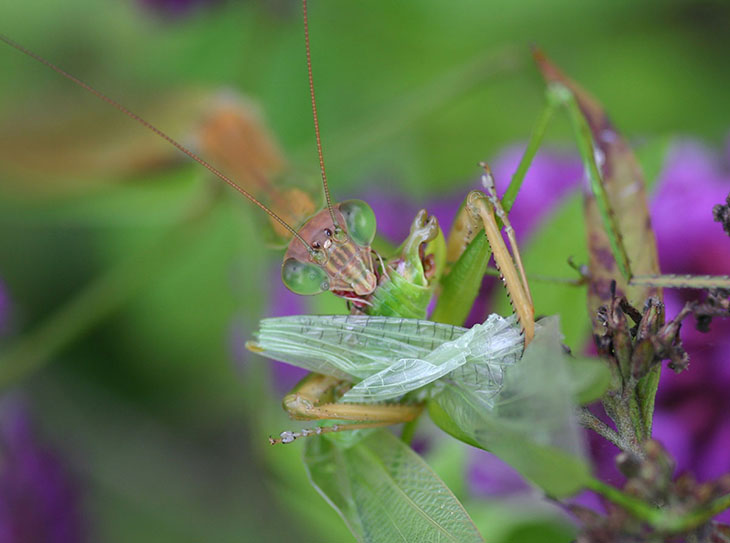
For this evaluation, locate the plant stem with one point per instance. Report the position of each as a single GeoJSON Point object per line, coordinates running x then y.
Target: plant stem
{"type": "Point", "coordinates": [533, 145]}
{"type": "Point", "coordinates": [559, 94]}
{"type": "Point", "coordinates": [617, 407]}
{"type": "Point", "coordinates": [698, 516]}
{"type": "Point", "coordinates": [633, 505]}
{"type": "Point", "coordinates": [661, 519]}
{"type": "Point", "coordinates": [543, 278]}
{"type": "Point", "coordinates": [590, 421]}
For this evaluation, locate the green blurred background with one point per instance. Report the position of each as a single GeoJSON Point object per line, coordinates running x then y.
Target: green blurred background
{"type": "Point", "coordinates": [132, 287]}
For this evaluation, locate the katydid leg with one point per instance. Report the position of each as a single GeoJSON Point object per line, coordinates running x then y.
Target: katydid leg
{"type": "Point", "coordinates": [314, 398]}
{"type": "Point", "coordinates": [508, 263]}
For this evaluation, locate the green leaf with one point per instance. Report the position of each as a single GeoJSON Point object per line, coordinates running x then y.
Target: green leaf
{"type": "Point", "coordinates": [557, 472]}
{"type": "Point", "coordinates": [385, 492]}
{"type": "Point", "coordinates": [589, 379]}
{"type": "Point", "coordinates": [534, 520]}
{"type": "Point", "coordinates": [460, 287]}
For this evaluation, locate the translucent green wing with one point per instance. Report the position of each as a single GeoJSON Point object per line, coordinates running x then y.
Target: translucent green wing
{"type": "Point", "coordinates": [481, 352]}
{"type": "Point", "coordinates": [351, 347]}
{"type": "Point", "coordinates": [388, 357]}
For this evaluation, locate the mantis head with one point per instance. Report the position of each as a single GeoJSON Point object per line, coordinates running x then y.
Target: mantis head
{"type": "Point", "coordinates": [338, 256]}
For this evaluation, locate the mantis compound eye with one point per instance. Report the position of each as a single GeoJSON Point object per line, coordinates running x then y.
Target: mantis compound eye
{"type": "Point", "coordinates": [360, 221]}
{"type": "Point", "coordinates": [304, 278]}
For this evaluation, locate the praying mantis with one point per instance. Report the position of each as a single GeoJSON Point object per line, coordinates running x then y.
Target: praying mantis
{"type": "Point", "coordinates": [332, 252]}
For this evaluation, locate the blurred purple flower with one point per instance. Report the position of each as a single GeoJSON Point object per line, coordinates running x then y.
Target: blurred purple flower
{"type": "Point", "coordinates": [692, 408]}
{"type": "Point", "coordinates": [488, 476]}
{"type": "Point", "coordinates": [283, 303]}
{"type": "Point", "coordinates": [551, 177]}
{"type": "Point", "coordinates": [38, 501]}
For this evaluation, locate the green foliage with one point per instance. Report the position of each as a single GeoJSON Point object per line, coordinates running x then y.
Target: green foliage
{"type": "Point", "coordinates": [385, 492]}
{"type": "Point", "coordinates": [460, 287]}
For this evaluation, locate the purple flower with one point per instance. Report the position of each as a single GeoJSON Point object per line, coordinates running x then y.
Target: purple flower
{"type": "Point", "coordinates": [692, 407]}
{"type": "Point", "coordinates": [552, 176]}
{"type": "Point", "coordinates": [38, 501]}
{"type": "Point", "coordinates": [490, 476]}
{"type": "Point", "coordinates": [690, 417]}
{"type": "Point", "coordinates": [283, 303]}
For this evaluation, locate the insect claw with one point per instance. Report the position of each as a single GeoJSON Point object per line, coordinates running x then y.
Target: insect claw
{"type": "Point", "coordinates": [284, 438]}
{"type": "Point", "coordinates": [484, 166]}
{"type": "Point", "coordinates": [254, 347]}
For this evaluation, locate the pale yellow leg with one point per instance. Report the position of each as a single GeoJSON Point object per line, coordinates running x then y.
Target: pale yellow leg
{"type": "Point", "coordinates": [509, 263]}
{"type": "Point", "coordinates": [314, 399]}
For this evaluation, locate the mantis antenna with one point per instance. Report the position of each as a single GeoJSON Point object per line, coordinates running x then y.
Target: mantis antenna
{"type": "Point", "coordinates": [316, 119]}
{"type": "Point", "coordinates": [164, 136]}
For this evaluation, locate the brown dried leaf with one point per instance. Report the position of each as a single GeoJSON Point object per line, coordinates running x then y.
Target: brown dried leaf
{"type": "Point", "coordinates": [625, 189]}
